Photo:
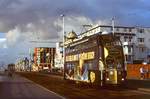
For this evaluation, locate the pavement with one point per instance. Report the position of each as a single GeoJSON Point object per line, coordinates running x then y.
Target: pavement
{"type": "Point", "coordinates": [17, 87]}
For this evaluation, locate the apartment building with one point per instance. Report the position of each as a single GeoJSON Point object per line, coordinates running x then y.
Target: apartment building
{"type": "Point", "coordinates": [142, 43]}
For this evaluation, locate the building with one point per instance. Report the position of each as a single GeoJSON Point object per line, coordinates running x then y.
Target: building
{"type": "Point", "coordinates": [135, 40]}
{"type": "Point", "coordinates": [59, 55]}
{"type": "Point", "coordinates": [22, 64]}
{"type": "Point", "coordinates": [142, 44]}
{"type": "Point", "coordinates": [44, 58]}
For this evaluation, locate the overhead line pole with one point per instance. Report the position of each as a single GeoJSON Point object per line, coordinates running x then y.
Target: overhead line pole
{"type": "Point", "coordinates": [113, 26]}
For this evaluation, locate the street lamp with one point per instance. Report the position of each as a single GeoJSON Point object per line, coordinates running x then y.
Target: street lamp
{"type": "Point", "coordinates": [63, 31]}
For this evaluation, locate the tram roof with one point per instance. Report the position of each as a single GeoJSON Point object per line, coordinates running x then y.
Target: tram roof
{"type": "Point", "coordinates": [105, 38]}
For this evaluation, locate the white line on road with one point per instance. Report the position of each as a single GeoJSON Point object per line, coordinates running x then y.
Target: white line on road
{"type": "Point", "coordinates": [140, 92]}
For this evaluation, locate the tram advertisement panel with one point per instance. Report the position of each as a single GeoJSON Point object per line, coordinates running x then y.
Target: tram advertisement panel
{"type": "Point", "coordinates": [78, 66]}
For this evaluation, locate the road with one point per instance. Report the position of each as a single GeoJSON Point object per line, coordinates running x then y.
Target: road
{"type": "Point", "coordinates": [73, 91]}
{"type": "Point", "coordinates": [20, 88]}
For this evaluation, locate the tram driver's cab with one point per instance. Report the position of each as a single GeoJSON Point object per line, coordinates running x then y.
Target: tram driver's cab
{"type": "Point", "coordinates": [114, 61]}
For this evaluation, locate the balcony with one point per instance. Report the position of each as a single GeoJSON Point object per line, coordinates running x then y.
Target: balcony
{"type": "Point", "coordinates": [141, 44]}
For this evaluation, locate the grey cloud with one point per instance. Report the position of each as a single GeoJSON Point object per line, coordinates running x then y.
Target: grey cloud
{"type": "Point", "coordinates": [22, 12]}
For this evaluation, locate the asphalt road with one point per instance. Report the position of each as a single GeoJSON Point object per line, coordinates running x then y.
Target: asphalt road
{"type": "Point", "coordinates": [17, 87]}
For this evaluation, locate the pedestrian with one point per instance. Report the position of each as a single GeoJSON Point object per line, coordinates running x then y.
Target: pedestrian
{"type": "Point", "coordinates": [142, 73]}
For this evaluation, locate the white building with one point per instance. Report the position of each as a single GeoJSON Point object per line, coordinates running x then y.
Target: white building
{"type": "Point", "coordinates": [59, 55]}
{"type": "Point", "coordinates": [142, 44]}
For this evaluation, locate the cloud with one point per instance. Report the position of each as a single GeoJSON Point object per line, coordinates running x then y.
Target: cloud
{"type": "Point", "coordinates": [13, 36]}
{"type": "Point", "coordinates": [43, 13]}
{"type": "Point", "coordinates": [75, 23]}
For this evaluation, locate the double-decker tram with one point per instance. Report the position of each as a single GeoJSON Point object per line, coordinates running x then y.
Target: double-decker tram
{"type": "Point", "coordinates": [97, 58]}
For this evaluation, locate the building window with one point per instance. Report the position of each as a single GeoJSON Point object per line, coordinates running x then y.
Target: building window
{"type": "Point", "coordinates": [125, 38]}
{"type": "Point", "coordinates": [125, 29]}
{"type": "Point", "coordinates": [129, 49]}
{"type": "Point", "coordinates": [130, 30]}
{"type": "Point", "coordinates": [117, 29]}
{"type": "Point", "coordinates": [130, 38]}
{"type": "Point", "coordinates": [141, 49]}
{"type": "Point", "coordinates": [141, 40]}
{"type": "Point", "coordinates": [140, 30]}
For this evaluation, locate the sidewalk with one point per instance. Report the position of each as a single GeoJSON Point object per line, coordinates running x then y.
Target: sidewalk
{"type": "Point", "coordinates": [18, 87]}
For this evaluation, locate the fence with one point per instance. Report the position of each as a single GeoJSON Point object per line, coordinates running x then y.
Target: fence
{"type": "Point", "coordinates": [133, 70]}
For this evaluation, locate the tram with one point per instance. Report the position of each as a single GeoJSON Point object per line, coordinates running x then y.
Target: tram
{"type": "Point", "coordinates": [97, 58]}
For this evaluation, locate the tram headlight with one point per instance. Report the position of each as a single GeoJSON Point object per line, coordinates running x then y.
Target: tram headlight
{"type": "Point", "coordinates": [122, 79]}
{"type": "Point", "coordinates": [107, 79]}
{"type": "Point", "coordinates": [111, 72]}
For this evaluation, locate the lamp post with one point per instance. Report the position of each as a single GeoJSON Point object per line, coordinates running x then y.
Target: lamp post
{"type": "Point", "coordinates": [63, 31]}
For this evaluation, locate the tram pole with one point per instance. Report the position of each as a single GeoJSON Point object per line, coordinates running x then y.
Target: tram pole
{"type": "Point", "coordinates": [113, 26]}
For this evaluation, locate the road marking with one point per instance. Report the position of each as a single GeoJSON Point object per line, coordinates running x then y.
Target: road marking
{"type": "Point", "coordinates": [140, 92]}
{"type": "Point", "coordinates": [144, 89]}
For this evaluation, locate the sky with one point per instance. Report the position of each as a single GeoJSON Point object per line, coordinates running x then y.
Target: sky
{"type": "Point", "coordinates": [23, 21]}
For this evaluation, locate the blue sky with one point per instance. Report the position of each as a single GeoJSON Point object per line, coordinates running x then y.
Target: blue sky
{"type": "Point", "coordinates": [2, 35]}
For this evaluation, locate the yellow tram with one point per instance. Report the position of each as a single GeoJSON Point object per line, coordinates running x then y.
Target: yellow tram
{"type": "Point", "coordinates": [96, 58]}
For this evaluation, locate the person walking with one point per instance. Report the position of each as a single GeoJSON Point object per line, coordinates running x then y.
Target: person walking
{"type": "Point", "coordinates": [142, 72]}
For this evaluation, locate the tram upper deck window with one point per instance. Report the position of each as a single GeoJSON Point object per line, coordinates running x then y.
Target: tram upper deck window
{"type": "Point", "coordinates": [113, 43]}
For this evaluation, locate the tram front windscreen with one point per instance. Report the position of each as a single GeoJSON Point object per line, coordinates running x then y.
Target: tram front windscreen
{"type": "Point", "coordinates": [113, 52]}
